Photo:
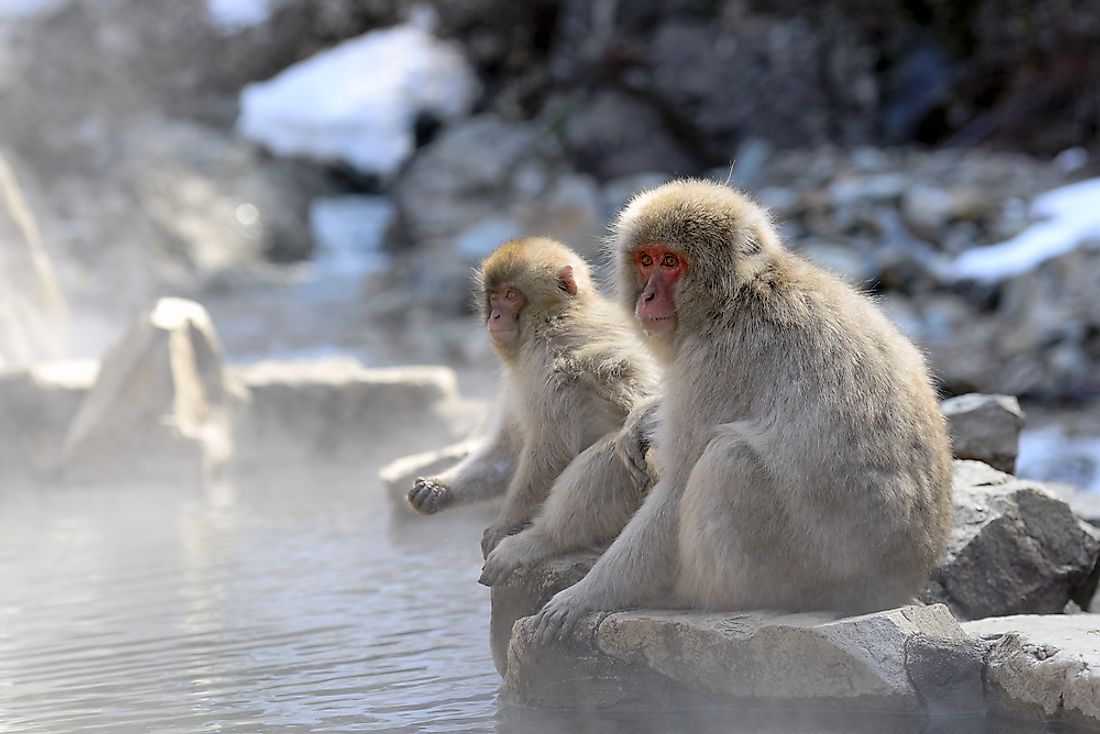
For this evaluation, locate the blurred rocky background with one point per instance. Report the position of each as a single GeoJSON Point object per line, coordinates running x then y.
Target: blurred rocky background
{"type": "Point", "coordinates": [322, 175]}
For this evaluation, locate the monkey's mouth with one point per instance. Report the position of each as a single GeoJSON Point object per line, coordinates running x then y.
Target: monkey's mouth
{"type": "Point", "coordinates": [503, 336]}
{"type": "Point", "coordinates": [658, 324]}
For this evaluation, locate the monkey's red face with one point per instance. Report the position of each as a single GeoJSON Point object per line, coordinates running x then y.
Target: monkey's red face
{"type": "Point", "coordinates": [658, 267]}
{"type": "Point", "coordinates": [505, 304]}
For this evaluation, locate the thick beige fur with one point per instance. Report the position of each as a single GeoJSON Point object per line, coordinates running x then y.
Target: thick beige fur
{"type": "Point", "coordinates": [568, 383]}
{"type": "Point", "coordinates": [802, 461]}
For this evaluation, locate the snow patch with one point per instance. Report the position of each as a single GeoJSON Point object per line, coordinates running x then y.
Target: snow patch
{"type": "Point", "coordinates": [1068, 216]}
{"type": "Point", "coordinates": [349, 232]}
{"type": "Point", "coordinates": [231, 16]}
{"type": "Point", "coordinates": [358, 102]}
{"type": "Point", "coordinates": [28, 8]}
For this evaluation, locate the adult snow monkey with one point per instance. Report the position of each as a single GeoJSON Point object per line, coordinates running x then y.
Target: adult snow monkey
{"type": "Point", "coordinates": [802, 461]}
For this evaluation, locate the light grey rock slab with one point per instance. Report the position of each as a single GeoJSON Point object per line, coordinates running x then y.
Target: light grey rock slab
{"type": "Point", "coordinates": [814, 660]}
{"type": "Point", "coordinates": [159, 408]}
{"type": "Point", "coordinates": [1043, 667]}
{"type": "Point", "coordinates": [37, 404]}
{"type": "Point", "coordinates": [337, 410]}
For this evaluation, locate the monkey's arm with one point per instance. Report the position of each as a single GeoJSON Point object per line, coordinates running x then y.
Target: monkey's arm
{"type": "Point", "coordinates": [483, 474]}
{"type": "Point", "coordinates": [541, 461]}
{"type": "Point", "coordinates": [638, 567]}
{"type": "Point", "coordinates": [588, 505]}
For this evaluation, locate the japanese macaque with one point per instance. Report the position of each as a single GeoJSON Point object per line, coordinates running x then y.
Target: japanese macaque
{"type": "Point", "coordinates": [802, 462]}
{"type": "Point", "coordinates": [573, 371]}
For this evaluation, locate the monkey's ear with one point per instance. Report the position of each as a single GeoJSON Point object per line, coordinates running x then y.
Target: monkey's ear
{"type": "Point", "coordinates": [566, 281]}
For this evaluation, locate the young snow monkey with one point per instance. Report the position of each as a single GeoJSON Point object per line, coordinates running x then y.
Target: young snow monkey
{"type": "Point", "coordinates": [573, 370]}
{"type": "Point", "coordinates": [802, 460]}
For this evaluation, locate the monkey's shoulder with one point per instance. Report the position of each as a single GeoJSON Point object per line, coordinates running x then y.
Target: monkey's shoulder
{"type": "Point", "coordinates": [604, 375]}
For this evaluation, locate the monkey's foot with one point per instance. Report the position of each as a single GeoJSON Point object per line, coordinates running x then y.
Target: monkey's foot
{"type": "Point", "coordinates": [560, 615]}
{"type": "Point", "coordinates": [428, 497]}
{"type": "Point", "coordinates": [513, 552]}
{"type": "Point", "coordinates": [494, 534]}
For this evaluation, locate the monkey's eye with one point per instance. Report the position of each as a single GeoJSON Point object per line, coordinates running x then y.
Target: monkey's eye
{"type": "Point", "coordinates": [510, 294]}
{"type": "Point", "coordinates": [645, 260]}
{"type": "Point", "coordinates": [670, 261]}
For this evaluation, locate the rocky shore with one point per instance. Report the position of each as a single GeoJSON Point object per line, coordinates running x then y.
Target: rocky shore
{"type": "Point", "coordinates": [1007, 626]}
{"type": "Point", "coordinates": [1001, 631]}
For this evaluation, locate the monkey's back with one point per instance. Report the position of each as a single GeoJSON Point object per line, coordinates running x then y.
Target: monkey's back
{"type": "Point", "coordinates": [595, 366]}
{"type": "Point", "coordinates": [847, 424]}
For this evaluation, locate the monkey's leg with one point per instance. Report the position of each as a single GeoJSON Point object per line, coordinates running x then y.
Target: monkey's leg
{"type": "Point", "coordinates": [589, 504]}
{"type": "Point", "coordinates": [643, 563]}
{"type": "Point", "coordinates": [537, 469]}
{"type": "Point", "coordinates": [639, 565]}
{"type": "Point", "coordinates": [735, 529]}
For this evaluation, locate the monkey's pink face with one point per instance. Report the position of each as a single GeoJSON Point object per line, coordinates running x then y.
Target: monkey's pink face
{"type": "Point", "coordinates": [505, 304]}
{"type": "Point", "coordinates": [658, 267]}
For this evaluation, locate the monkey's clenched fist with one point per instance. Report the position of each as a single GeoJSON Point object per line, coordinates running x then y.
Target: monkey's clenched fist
{"type": "Point", "coordinates": [632, 442]}
{"type": "Point", "coordinates": [428, 497]}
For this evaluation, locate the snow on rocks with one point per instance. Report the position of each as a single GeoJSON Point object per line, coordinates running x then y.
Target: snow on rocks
{"type": "Point", "coordinates": [358, 102]}
{"type": "Point", "coordinates": [1067, 217]}
{"type": "Point", "coordinates": [348, 234]}
{"type": "Point", "coordinates": [231, 16]}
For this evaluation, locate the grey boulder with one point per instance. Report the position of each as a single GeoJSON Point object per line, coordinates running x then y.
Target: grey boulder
{"type": "Point", "coordinates": [985, 428]}
{"type": "Point", "coordinates": [1014, 548]}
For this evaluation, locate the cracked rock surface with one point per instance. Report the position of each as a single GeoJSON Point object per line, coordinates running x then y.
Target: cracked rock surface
{"type": "Point", "coordinates": [1043, 667]}
{"type": "Point", "coordinates": [874, 661]}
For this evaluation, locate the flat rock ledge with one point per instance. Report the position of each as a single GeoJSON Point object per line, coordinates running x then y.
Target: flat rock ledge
{"type": "Point", "coordinates": [907, 660]}
{"type": "Point", "coordinates": [911, 660]}
{"type": "Point", "coordinates": [1015, 549]}
{"type": "Point", "coordinates": [1043, 667]}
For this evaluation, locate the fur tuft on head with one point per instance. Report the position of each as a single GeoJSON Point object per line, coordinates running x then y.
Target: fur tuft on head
{"type": "Point", "coordinates": [551, 276]}
{"type": "Point", "coordinates": [726, 237]}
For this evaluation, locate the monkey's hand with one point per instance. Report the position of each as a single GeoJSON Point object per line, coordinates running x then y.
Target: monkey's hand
{"type": "Point", "coordinates": [513, 552]}
{"type": "Point", "coordinates": [429, 497]}
{"type": "Point", "coordinates": [560, 615]}
{"type": "Point", "coordinates": [632, 442]}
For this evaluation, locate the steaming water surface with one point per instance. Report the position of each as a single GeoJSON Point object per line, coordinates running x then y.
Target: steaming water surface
{"type": "Point", "coordinates": [254, 608]}
{"type": "Point", "coordinates": [263, 607]}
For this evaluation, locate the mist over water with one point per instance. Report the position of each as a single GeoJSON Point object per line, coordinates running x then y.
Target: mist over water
{"type": "Point", "coordinates": [252, 607]}
{"type": "Point", "coordinates": [260, 605]}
